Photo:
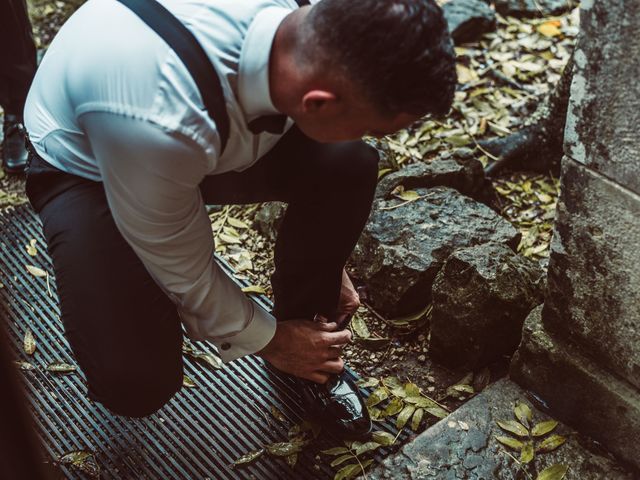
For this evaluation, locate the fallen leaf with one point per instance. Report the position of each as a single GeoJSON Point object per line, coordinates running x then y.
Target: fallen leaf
{"type": "Point", "coordinates": [550, 443]}
{"type": "Point", "coordinates": [513, 427]}
{"type": "Point", "coordinates": [523, 413]}
{"type": "Point", "coordinates": [554, 472]}
{"type": "Point", "coordinates": [254, 289]}
{"type": "Point", "coordinates": [510, 442]}
{"type": "Point", "coordinates": [82, 461]}
{"type": "Point", "coordinates": [249, 457]}
{"type": "Point", "coordinates": [29, 342]}
{"type": "Point", "coordinates": [61, 367]}
{"type": "Point", "coordinates": [36, 271]}
{"type": "Point", "coordinates": [543, 428]}
{"type": "Point", "coordinates": [187, 382]}
{"type": "Point", "coordinates": [527, 453]}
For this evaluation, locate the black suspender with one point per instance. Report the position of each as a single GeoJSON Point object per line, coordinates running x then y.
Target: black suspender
{"type": "Point", "coordinates": [189, 50]}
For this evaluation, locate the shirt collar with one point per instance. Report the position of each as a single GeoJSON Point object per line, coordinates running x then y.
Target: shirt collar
{"type": "Point", "coordinates": [253, 72]}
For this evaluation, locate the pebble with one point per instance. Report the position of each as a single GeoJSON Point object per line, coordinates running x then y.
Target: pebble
{"type": "Point", "coordinates": [422, 358]}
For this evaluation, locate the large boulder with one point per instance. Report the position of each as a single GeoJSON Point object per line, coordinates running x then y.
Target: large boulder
{"type": "Point", "coordinates": [468, 19]}
{"type": "Point", "coordinates": [457, 170]}
{"type": "Point", "coordinates": [405, 244]}
{"type": "Point", "coordinates": [481, 298]}
{"type": "Point", "coordinates": [533, 8]}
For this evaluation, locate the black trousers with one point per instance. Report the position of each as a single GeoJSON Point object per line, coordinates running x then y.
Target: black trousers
{"type": "Point", "coordinates": [17, 55]}
{"type": "Point", "coordinates": [124, 331]}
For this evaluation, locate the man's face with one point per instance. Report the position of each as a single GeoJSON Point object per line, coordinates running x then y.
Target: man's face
{"type": "Point", "coordinates": [349, 118]}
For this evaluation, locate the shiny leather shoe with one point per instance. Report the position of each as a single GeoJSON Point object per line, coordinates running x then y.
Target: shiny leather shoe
{"type": "Point", "coordinates": [337, 406]}
{"type": "Point", "coordinates": [14, 152]}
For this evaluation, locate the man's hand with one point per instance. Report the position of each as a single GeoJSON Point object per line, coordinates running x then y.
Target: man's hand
{"type": "Point", "coordinates": [307, 349]}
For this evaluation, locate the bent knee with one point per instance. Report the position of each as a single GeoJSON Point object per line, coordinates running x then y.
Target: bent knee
{"type": "Point", "coordinates": [135, 393]}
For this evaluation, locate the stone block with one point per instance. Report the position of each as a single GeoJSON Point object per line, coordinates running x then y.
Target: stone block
{"type": "Point", "coordinates": [594, 280]}
{"type": "Point", "coordinates": [604, 110]}
{"type": "Point", "coordinates": [463, 446]}
{"type": "Point", "coordinates": [577, 390]}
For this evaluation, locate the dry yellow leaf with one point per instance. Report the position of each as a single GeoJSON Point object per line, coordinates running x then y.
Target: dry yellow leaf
{"type": "Point", "coordinates": [550, 29]}
{"type": "Point", "coordinates": [29, 342]}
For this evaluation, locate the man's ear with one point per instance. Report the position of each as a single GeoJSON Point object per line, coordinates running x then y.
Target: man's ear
{"type": "Point", "coordinates": [316, 101]}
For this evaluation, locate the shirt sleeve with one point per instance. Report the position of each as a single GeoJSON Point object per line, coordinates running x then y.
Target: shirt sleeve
{"type": "Point", "coordinates": [151, 180]}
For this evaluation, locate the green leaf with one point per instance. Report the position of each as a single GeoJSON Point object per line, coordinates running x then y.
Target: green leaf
{"type": "Point", "coordinates": [61, 367]}
{"type": "Point", "coordinates": [368, 382]}
{"type": "Point", "coordinates": [438, 412]}
{"type": "Point", "coordinates": [510, 442]}
{"type": "Point", "coordinates": [82, 461]}
{"type": "Point", "coordinates": [366, 447]}
{"type": "Point", "coordinates": [550, 443]}
{"type": "Point", "coordinates": [523, 413]}
{"type": "Point", "coordinates": [187, 382]}
{"type": "Point", "coordinates": [391, 382]}
{"type": "Point", "coordinates": [383, 438]}
{"type": "Point", "coordinates": [394, 407]}
{"type": "Point", "coordinates": [417, 418]}
{"type": "Point", "coordinates": [249, 457]}
{"type": "Point", "coordinates": [413, 316]}
{"type": "Point", "coordinates": [341, 460]}
{"type": "Point", "coordinates": [527, 453]}
{"type": "Point", "coordinates": [336, 451]}
{"type": "Point", "coordinates": [554, 472]}
{"type": "Point", "coordinates": [346, 472]}
{"type": "Point", "coordinates": [377, 396]}
{"type": "Point", "coordinates": [513, 427]}
{"type": "Point", "coordinates": [421, 402]}
{"type": "Point", "coordinates": [412, 390]}
{"type": "Point", "coordinates": [360, 327]}
{"type": "Point", "coordinates": [405, 415]}
{"type": "Point", "coordinates": [543, 428]}
{"type": "Point", "coordinates": [284, 449]}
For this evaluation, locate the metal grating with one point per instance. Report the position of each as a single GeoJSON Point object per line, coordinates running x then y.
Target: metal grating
{"type": "Point", "coordinates": [197, 435]}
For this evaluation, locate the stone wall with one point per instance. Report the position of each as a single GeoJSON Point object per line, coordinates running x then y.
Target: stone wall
{"type": "Point", "coordinates": [590, 324]}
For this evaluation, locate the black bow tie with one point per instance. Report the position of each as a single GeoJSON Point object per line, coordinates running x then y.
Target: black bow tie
{"type": "Point", "coordinates": [268, 123]}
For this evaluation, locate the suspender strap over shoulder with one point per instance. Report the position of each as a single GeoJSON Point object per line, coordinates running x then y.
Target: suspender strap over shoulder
{"type": "Point", "coordinates": [189, 50]}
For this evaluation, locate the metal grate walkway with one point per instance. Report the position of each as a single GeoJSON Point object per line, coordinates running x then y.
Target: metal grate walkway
{"type": "Point", "coordinates": [197, 435]}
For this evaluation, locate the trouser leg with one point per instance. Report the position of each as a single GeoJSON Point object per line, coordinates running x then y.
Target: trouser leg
{"type": "Point", "coordinates": [17, 56]}
{"type": "Point", "coordinates": [329, 189]}
{"type": "Point", "coordinates": [124, 331]}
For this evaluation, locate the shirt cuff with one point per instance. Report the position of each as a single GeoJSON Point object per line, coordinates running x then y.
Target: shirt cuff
{"type": "Point", "coordinates": [256, 335]}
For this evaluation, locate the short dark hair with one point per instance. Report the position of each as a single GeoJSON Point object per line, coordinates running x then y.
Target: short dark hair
{"type": "Point", "coordinates": [399, 52]}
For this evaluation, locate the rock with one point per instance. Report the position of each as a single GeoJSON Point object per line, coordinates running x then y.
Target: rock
{"type": "Point", "coordinates": [533, 8]}
{"type": "Point", "coordinates": [578, 390]}
{"type": "Point", "coordinates": [481, 298]}
{"type": "Point", "coordinates": [468, 19]}
{"type": "Point", "coordinates": [459, 170]}
{"type": "Point", "coordinates": [269, 217]}
{"type": "Point", "coordinates": [464, 445]}
{"type": "Point", "coordinates": [402, 248]}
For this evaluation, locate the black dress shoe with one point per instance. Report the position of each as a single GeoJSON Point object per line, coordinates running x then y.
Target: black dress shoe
{"type": "Point", "coordinates": [337, 406]}
{"type": "Point", "coordinates": [14, 153]}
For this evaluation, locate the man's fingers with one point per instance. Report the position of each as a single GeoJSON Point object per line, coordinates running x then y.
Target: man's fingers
{"type": "Point", "coordinates": [326, 326]}
{"type": "Point", "coordinates": [341, 337]}
{"type": "Point", "coordinates": [319, 377]}
{"type": "Point", "coordinates": [333, 366]}
{"type": "Point", "coordinates": [333, 353]}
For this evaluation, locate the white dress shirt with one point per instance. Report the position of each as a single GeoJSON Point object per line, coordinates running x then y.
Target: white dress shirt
{"type": "Point", "coordinates": [111, 102]}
